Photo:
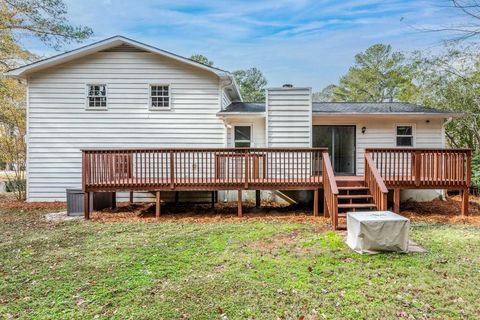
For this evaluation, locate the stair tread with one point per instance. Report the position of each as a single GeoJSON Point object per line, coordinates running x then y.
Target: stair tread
{"type": "Point", "coordinates": [353, 188]}
{"type": "Point", "coordinates": [356, 205]}
{"type": "Point", "coordinates": [354, 196]}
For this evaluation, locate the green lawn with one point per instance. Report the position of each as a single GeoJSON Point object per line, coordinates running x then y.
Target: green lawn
{"type": "Point", "coordinates": [251, 269]}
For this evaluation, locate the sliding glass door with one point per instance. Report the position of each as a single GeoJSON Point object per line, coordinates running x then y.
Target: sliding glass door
{"type": "Point", "coordinates": [340, 141]}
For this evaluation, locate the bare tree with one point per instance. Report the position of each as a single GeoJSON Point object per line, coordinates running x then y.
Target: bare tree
{"type": "Point", "coordinates": [468, 28]}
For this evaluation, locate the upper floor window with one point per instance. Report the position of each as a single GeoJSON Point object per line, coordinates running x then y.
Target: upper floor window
{"type": "Point", "coordinates": [242, 136]}
{"type": "Point", "coordinates": [97, 96]}
{"type": "Point", "coordinates": [159, 96]}
{"type": "Point", "coordinates": [404, 136]}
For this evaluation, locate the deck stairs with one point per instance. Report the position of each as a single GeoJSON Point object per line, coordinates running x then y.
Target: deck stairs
{"type": "Point", "coordinates": [353, 196]}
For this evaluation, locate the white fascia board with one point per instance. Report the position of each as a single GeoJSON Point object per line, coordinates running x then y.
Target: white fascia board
{"type": "Point", "coordinates": [21, 72]}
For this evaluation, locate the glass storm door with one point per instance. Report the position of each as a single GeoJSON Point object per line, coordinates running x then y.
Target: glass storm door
{"type": "Point", "coordinates": [340, 141]}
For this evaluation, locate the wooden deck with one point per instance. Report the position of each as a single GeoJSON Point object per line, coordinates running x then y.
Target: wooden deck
{"type": "Point", "coordinates": [208, 169]}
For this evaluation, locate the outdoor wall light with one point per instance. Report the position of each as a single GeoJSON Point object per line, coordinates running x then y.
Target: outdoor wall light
{"type": "Point", "coordinates": [364, 129]}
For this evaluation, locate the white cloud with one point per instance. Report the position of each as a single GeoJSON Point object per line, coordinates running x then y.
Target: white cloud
{"type": "Point", "coordinates": [304, 42]}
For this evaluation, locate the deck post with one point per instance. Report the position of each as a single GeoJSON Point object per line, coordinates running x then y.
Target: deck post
{"type": "Point", "coordinates": [213, 199]}
{"type": "Point", "coordinates": [114, 200]}
{"type": "Point", "coordinates": [131, 196]}
{"type": "Point", "coordinates": [418, 168]}
{"type": "Point", "coordinates": [315, 203]}
{"type": "Point", "coordinates": [396, 200]}
{"type": "Point", "coordinates": [86, 205]}
{"type": "Point", "coordinates": [239, 204]}
{"type": "Point", "coordinates": [257, 199]}
{"type": "Point", "coordinates": [465, 196]}
{"type": "Point", "coordinates": [326, 214]}
{"type": "Point", "coordinates": [157, 205]}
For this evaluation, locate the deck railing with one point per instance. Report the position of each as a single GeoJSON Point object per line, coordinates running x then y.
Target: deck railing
{"type": "Point", "coordinates": [330, 190]}
{"type": "Point", "coordinates": [423, 168]}
{"type": "Point", "coordinates": [375, 183]}
{"type": "Point", "coordinates": [201, 169]}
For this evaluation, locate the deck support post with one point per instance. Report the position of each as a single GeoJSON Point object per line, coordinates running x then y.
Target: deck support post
{"type": "Point", "coordinates": [257, 199]}
{"type": "Point", "coordinates": [131, 196]}
{"type": "Point", "coordinates": [315, 203]}
{"type": "Point", "coordinates": [239, 204]}
{"type": "Point", "coordinates": [465, 195]}
{"type": "Point", "coordinates": [213, 199]}
{"type": "Point", "coordinates": [326, 214]}
{"type": "Point", "coordinates": [86, 205]}
{"type": "Point", "coordinates": [396, 200]}
{"type": "Point", "coordinates": [157, 205]}
{"type": "Point", "coordinates": [114, 200]}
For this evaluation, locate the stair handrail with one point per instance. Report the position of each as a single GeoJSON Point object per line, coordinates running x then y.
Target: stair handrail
{"type": "Point", "coordinates": [374, 182]}
{"type": "Point", "coordinates": [330, 190]}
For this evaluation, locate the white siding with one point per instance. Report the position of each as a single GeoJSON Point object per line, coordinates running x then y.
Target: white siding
{"type": "Point", "coordinates": [225, 99]}
{"type": "Point", "coordinates": [59, 126]}
{"type": "Point", "coordinates": [258, 130]}
{"type": "Point", "coordinates": [381, 132]}
{"type": "Point", "coordinates": [289, 117]}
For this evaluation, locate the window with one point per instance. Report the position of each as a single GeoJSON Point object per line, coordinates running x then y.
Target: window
{"type": "Point", "coordinates": [159, 96]}
{"type": "Point", "coordinates": [242, 136]}
{"type": "Point", "coordinates": [404, 136]}
{"type": "Point", "coordinates": [97, 96]}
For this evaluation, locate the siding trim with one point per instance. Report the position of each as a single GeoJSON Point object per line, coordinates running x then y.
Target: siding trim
{"type": "Point", "coordinates": [27, 138]}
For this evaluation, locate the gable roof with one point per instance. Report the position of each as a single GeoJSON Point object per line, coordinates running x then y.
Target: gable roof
{"type": "Point", "coordinates": [346, 108]}
{"type": "Point", "coordinates": [115, 41]}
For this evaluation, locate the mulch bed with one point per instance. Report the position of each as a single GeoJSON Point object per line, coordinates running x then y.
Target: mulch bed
{"type": "Point", "coordinates": [434, 211]}
{"type": "Point", "coordinates": [223, 212]}
{"type": "Point", "coordinates": [8, 201]}
{"type": "Point", "coordinates": [447, 211]}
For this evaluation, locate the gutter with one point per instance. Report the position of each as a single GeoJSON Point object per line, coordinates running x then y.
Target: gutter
{"type": "Point", "coordinates": [240, 114]}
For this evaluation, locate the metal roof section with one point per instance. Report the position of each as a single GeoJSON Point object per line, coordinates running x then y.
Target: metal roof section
{"type": "Point", "coordinates": [346, 108]}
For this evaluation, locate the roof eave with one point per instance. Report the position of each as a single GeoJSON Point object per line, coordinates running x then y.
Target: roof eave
{"type": "Point", "coordinates": [241, 114]}
{"type": "Point", "coordinates": [389, 114]}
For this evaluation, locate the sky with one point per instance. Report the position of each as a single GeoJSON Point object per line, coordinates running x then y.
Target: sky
{"type": "Point", "coordinates": [305, 43]}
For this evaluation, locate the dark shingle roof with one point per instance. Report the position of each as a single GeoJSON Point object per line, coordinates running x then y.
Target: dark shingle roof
{"type": "Point", "coordinates": [244, 107]}
{"type": "Point", "coordinates": [343, 108]}
{"type": "Point", "coordinates": [371, 107]}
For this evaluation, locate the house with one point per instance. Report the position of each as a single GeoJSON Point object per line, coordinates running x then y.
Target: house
{"type": "Point", "coordinates": [120, 94]}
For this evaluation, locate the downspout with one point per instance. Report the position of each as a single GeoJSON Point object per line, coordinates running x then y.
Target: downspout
{"type": "Point", "coordinates": [227, 127]}
{"type": "Point", "coordinates": [223, 85]}
{"type": "Point", "coordinates": [443, 130]}
{"type": "Point", "coordinates": [449, 119]}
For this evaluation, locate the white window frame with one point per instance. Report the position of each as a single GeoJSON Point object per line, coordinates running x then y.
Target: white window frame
{"type": "Point", "coordinates": [152, 108]}
{"type": "Point", "coordinates": [87, 100]}
{"type": "Point", "coordinates": [242, 125]}
{"type": "Point", "coordinates": [413, 134]}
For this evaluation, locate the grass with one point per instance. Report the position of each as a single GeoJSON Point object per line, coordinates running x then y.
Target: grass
{"type": "Point", "coordinates": [235, 270]}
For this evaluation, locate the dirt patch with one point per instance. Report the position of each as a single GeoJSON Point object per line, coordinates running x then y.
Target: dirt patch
{"type": "Point", "coordinates": [273, 244]}
{"type": "Point", "coordinates": [447, 211]}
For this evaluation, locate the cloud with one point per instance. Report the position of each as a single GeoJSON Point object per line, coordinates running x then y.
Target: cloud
{"type": "Point", "coordinates": [299, 41]}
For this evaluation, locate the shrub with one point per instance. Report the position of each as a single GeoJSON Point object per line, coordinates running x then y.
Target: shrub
{"type": "Point", "coordinates": [476, 171]}
{"type": "Point", "coordinates": [13, 185]}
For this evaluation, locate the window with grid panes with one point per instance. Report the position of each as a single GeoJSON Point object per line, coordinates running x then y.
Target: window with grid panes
{"type": "Point", "coordinates": [97, 96]}
{"type": "Point", "coordinates": [159, 96]}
